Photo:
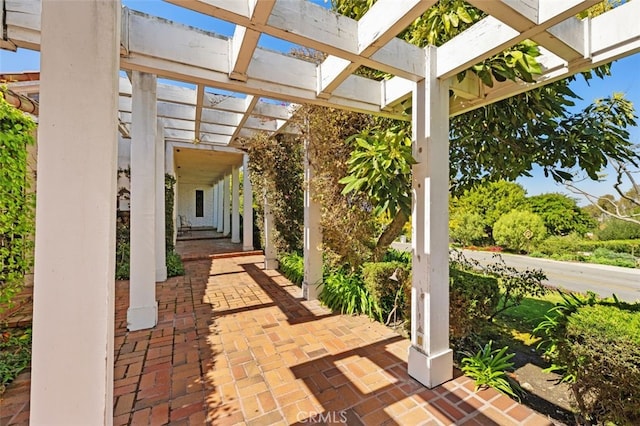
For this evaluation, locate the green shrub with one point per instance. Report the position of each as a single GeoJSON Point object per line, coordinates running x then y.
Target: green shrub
{"type": "Point", "coordinates": [386, 292]}
{"type": "Point", "coordinates": [345, 292]}
{"type": "Point", "coordinates": [616, 229]}
{"type": "Point", "coordinates": [473, 298]}
{"type": "Point", "coordinates": [393, 255]}
{"type": "Point", "coordinates": [605, 256]}
{"type": "Point", "coordinates": [519, 230]}
{"type": "Point", "coordinates": [575, 244]}
{"type": "Point", "coordinates": [467, 228]}
{"type": "Point", "coordinates": [175, 267]}
{"type": "Point", "coordinates": [15, 354]}
{"type": "Point", "coordinates": [602, 352]}
{"type": "Point", "coordinates": [595, 344]}
{"type": "Point", "coordinates": [292, 266]}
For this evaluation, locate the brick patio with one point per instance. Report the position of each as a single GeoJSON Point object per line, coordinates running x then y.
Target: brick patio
{"type": "Point", "coordinates": [236, 344]}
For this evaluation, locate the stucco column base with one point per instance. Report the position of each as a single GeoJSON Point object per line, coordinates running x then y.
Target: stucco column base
{"type": "Point", "coordinates": [270, 263]}
{"type": "Point", "coordinates": [310, 291]}
{"type": "Point", "coordinates": [142, 317]}
{"type": "Point", "coordinates": [161, 274]}
{"type": "Point", "coordinates": [431, 371]}
{"type": "Point", "coordinates": [235, 240]}
{"type": "Point", "coordinates": [247, 248]}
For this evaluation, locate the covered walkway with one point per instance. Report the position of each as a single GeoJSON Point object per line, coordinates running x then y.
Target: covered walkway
{"type": "Point", "coordinates": [237, 344]}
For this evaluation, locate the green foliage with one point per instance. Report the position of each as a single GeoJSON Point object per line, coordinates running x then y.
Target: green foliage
{"type": "Point", "coordinates": [519, 230]}
{"type": "Point", "coordinates": [292, 267]}
{"type": "Point", "coordinates": [17, 203]}
{"type": "Point", "coordinates": [169, 201]}
{"type": "Point", "coordinates": [15, 354]}
{"type": "Point", "coordinates": [574, 244]}
{"type": "Point", "coordinates": [488, 368]}
{"type": "Point", "coordinates": [276, 166]}
{"type": "Point", "coordinates": [616, 229]}
{"type": "Point", "coordinates": [175, 267]}
{"type": "Point", "coordinates": [123, 238]}
{"type": "Point", "coordinates": [345, 292]}
{"type": "Point", "coordinates": [387, 292]}
{"type": "Point", "coordinates": [605, 256]}
{"type": "Point", "coordinates": [473, 298]}
{"type": "Point", "coordinates": [595, 344]}
{"type": "Point", "coordinates": [380, 166]}
{"type": "Point", "coordinates": [466, 228]}
{"type": "Point", "coordinates": [490, 201]}
{"type": "Point", "coordinates": [393, 255]}
{"type": "Point", "coordinates": [560, 214]}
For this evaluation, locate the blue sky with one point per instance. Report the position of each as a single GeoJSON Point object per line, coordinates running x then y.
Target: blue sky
{"type": "Point", "coordinates": [624, 78]}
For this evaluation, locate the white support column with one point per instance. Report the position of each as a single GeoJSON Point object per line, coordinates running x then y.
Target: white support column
{"type": "Point", "coordinates": [312, 233]}
{"type": "Point", "coordinates": [215, 205]}
{"type": "Point", "coordinates": [143, 307]}
{"type": "Point", "coordinates": [170, 166]}
{"type": "Point", "coordinates": [73, 306]}
{"type": "Point", "coordinates": [220, 207]}
{"type": "Point", "coordinates": [226, 207]}
{"type": "Point", "coordinates": [235, 205]}
{"type": "Point", "coordinates": [161, 251]}
{"type": "Point", "coordinates": [430, 359]}
{"type": "Point", "coordinates": [247, 206]}
{"type": "Point", "coordinates": [270, 252]}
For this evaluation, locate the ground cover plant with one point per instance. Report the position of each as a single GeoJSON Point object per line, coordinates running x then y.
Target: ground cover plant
{"type": "Point", "coordinates": [15, 354]}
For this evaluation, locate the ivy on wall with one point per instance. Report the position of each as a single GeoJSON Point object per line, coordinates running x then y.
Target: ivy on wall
{"type": "Point", "coordinates": [17, 203]}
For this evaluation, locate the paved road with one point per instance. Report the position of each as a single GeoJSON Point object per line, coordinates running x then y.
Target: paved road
{"type": "Point", "coordinates": [581, 277]}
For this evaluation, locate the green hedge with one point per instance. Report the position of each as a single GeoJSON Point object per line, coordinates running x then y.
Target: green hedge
{"type": "Point", "coordinates": [601, 349]}
{"type": "Point", "coordinates": [385, 291]}
{"type": "Point", "coordinates": [473, 298]}
{"type": "Point", "coordinates": [574, 244]}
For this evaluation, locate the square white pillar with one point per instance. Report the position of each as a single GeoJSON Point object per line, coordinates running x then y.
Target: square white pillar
{"type": "Point", "coordinates": [215, 205]}
{"type": "Point", "coordinates": [226, 206]}
{"type": "Point", "coordinates": [161, 231]}
{"type": "Point", "coordinates": [220, 227]}
{"type": "Point", "coordinates": [73, 309]}
{"type": "Point", "coordinates": [143, 308]}
{"type": "Point", "coordinates": [312, 232]}
{"type": "Point", "coordinates": [235, 205]}
{"type": "Point", "coordinates": [430, 359]}
{"type": "Point", "coordinates": [270, 252]}
{"type": "Point", "coordinates": [247, 206]}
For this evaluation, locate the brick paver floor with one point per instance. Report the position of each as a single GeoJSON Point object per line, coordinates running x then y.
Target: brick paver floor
{"type": "Point", "coordinates": [236, 344]}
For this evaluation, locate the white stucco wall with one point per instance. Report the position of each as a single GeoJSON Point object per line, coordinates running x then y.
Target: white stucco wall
{"type": "Point", "coordinates": [187, 204]}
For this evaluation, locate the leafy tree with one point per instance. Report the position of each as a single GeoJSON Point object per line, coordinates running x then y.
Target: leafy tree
{"type": "Point", "coordinates": [380, 166]}
{"type": "Point", "coordinates": [616, 229]}
{"type": "Point", "coordinates": [519, 230]}
{"type": "Point", "coordinates": [466, 228]}
{"type": "Point", "coordinates": [490, 201]}
{"type": "Point", "coordinates": [16, 201]}
{"type": "Point", "coordinates": [561, 214]}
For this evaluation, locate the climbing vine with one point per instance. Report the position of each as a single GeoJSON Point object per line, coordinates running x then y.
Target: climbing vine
{"type": "Point", "coordinates": [17, 203]}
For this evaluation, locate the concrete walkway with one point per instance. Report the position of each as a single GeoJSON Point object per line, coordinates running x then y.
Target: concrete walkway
{"type": "Point", "coordinates": [235, 344]}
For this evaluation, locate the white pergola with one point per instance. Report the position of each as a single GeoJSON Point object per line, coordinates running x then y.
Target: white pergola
{"type": "Point", "coordinates": [84, 101]}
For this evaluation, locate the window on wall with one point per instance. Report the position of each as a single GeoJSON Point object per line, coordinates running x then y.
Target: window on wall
{"type": "Point", "coordinates": [199, 203]}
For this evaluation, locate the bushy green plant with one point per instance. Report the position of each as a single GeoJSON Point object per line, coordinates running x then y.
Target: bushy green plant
{"type": "Point", "coordinates": [394, 255]}
{"type": "Point", "coordinates": [15, 354]}
{"type": "Point", "coordinates": [123, 251]}
{"type": "Point", "coordinates": [17, 203]}
{"type": "Point", "coordinates": [467, 228]}
{"type": "Point", "coordinates": [473, 298]}
{"type": "Point", "coordinates": [519, 230]}
{"type": "Point", "coordinates": [616, 229]}
{"type": "Point", "coordinates": [605, 256]}
{"type": "Point", "coordinates": [292, 266]}
{"type": "Point", "coordinates": [175, 267]}
{"type": "Point", "coordinates": [345, 292]}
{"type": "Point", "coordinates": [384, 281]}
{"type": "Point", "coordinates": [488, 367]}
